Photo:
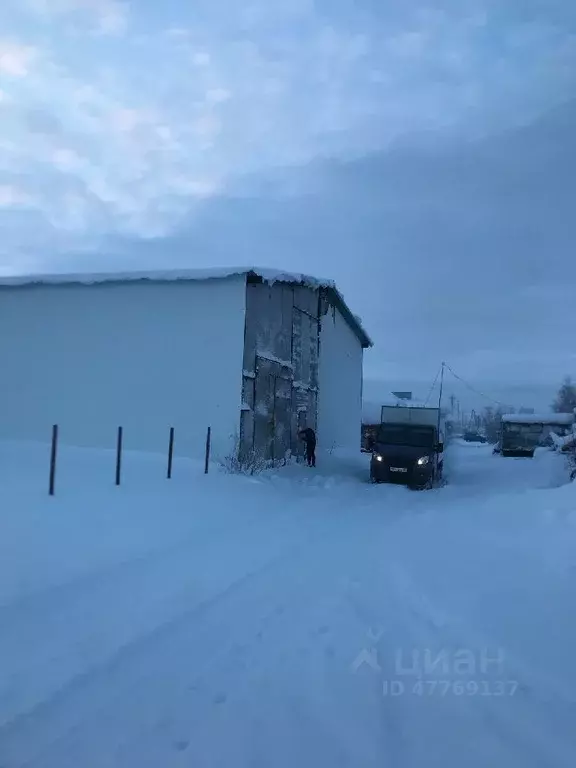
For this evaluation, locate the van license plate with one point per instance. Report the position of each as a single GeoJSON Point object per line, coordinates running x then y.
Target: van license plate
{"type": "Point", "coordinates": [398, 469]}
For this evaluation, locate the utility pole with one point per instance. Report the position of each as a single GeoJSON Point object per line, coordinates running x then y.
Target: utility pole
{"type": "Point", "coordinates": [440, 398]}
{"type": "Point", "coordinates": [441, 386]}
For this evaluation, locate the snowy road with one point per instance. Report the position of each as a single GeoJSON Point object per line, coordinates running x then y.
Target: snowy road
{"type": "Point", "coordinates": [302, 619]}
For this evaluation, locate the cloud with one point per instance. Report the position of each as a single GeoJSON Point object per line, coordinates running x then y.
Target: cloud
{"type": "Point", "coordinates": [106, 17]}
{"type": "Point", "coordinates": [16, 59]}
{"type": "Point", "coordinates": [12, 196]}
{"type": "Point", "coordinates": [132, 135]}
{"type": "Point", "coordinates": [68, 161]}
{"type": "Point", "coordinates": [459, 251]}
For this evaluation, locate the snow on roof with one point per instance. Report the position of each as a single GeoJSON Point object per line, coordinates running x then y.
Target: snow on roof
{"type": "Point", "coordinates": [539, 418]}
{"type": "Point", "coordinates": [165, 275]}
{"type": "Point", "coordinates": [171, 275]}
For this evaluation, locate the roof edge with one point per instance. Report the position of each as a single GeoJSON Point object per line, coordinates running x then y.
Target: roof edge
{"type": "Point", "coordinates": [329, 286]}
{"type": "Point", "coordinates": [182, 275]}
{"type": "Point", "coordinates": [353, 321]}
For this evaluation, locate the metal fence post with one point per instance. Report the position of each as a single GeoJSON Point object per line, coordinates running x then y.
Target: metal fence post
{"type": "Point", "coordinates": [119, 456]}
{"type": "Point", "coordinates": [207, 455]}
{"type": "Point", "coordinates": [53, 456]}
{"type": "Point", "coordinates": [170, 453]}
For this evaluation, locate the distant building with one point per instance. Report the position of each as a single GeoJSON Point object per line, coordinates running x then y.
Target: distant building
{"type": "Point", "coordinates": [403, 395]}
{"type": "Point", "coordinates": [254, 354]}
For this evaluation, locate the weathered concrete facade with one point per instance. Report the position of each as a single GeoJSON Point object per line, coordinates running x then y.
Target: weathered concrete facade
{"type": "Point", "coordinates": [280, 373]}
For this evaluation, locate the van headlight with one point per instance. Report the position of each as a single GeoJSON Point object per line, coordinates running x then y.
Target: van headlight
{"type": "Point", "coordinates": [378, 457]}
{"type": "Point", "coordinates": [423, 460]}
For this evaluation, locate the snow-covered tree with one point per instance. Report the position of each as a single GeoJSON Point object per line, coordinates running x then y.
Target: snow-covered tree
{"type": "Point", "coordinates": [491, 419]}
{"type": "Point", "coordinates": [565, 401]}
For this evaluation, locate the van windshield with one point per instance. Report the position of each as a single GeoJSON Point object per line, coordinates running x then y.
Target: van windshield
{"type": "Point", "coordinates": [523, 429]}
{"type": "Point", "coordinates": [406, 434]}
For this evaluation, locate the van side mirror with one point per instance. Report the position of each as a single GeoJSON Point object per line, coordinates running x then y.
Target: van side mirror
{"type": "Point", "coordinates": [440, 447]}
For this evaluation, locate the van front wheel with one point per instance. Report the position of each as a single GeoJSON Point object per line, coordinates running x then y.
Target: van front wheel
{"type": "Point", "coordinates": [430, 483]}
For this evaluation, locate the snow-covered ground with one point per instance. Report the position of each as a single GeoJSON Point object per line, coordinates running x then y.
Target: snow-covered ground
{"type": "Point", "coordinates": [302, 618]}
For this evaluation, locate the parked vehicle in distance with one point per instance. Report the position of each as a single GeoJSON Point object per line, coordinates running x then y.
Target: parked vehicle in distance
{"type": "Point", "coordinates": [474, 437]}
{"type": "Point", "coordinates": [521, 434]}
{"type": "Point", "coordinates": [409, 447]}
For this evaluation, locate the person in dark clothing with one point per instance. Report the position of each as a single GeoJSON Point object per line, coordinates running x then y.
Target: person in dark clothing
{"type": "Point", "coordinates": [309, 437]}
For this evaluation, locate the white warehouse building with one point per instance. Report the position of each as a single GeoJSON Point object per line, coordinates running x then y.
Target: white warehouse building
{"type": "Point", "coordinates": [253, 354]}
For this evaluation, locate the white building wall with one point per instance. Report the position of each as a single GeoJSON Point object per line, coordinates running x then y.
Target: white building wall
{"type": "Point", "coordinates": [144, 355]}
{"type": "Point", "coordinates": [339, 384]}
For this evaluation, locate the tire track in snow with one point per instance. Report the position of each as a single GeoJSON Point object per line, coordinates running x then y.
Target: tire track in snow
{"type": "Point", "coordinates": [143, 645]}
{"type": "Point", "coordinates": [44, 720]}
{"type": "Point", "coordinates": [533, 731]}
{"type": "Point", "coordinates": [196, 529]}
{"type": "Point", "coordinates": [45, 634]}
{"type": "Point", "coordinates": [139, 646]}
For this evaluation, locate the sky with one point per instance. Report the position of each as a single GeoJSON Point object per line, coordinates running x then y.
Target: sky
{"type": "Point", "coordinates": [421, 154]}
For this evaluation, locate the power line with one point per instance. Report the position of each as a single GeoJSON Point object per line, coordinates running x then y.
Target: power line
{"type": "Point", "coordinates": [433, 385]}
{"type": "Point", "coordinates": [477, 391]}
